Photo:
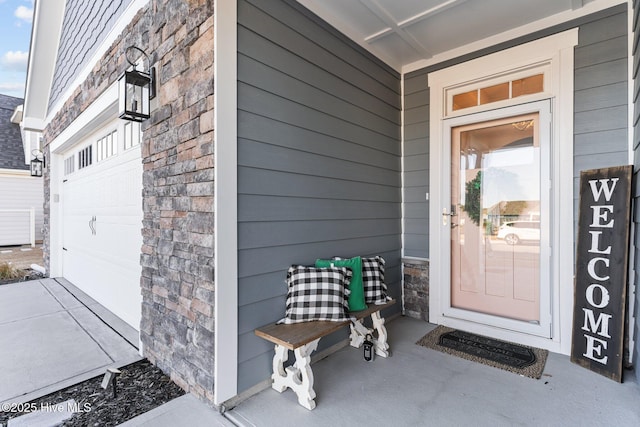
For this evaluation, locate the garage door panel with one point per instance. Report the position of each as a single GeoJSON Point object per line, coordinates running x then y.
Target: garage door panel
{"type": "Point", "coordinates": [102, 222]}
{"type": "Point", "coordinates": [106, 282]}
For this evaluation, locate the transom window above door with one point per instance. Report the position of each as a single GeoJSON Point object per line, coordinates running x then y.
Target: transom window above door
{"type": "Point", "coordinates": [509, 88]}
{"type": "Point", "coordinates": [498, 92]}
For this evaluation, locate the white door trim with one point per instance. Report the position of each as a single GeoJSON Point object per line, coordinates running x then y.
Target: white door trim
{"type": "Point", "coordinates": [557, 51]}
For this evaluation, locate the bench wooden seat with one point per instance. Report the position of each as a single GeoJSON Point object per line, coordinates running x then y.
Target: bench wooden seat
{"type": "Point", "coordinates": [303, 338]}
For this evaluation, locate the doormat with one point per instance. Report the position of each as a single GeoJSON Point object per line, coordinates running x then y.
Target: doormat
{"type": "Point", "coordinates": [519, 359]}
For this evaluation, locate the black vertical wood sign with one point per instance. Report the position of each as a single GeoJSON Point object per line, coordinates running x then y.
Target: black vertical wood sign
{"type": "Point", "coordinates": [601, 270]}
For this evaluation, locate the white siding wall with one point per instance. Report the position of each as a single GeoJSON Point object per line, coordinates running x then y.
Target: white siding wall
{"type": "Point", "coordinates": [19, 192]}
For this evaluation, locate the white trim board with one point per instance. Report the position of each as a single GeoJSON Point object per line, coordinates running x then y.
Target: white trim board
{"type": "Point", "coordinates": [103, 109]}
{"type": "Point", "coordinates": [631, 130]}
{"type": "Point", "coordinates": [558, 51]}
{"type": "Point", "coordinates": [225, 201]}
{"type": "Point", "coordinates": [45, 38]}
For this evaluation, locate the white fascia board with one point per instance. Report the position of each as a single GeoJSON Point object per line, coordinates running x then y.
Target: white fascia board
{"type": "Point", "coordinates": [225, 201]}
{"type": "Point", "coordinates": [104, 108]}
{"type": "Point", "coordinates": [16, 117]}
{"type": "Point", "coordinates": [559, 18]}
{"type": "Point", "coordinates": [43, 50]}
{"type": "Point", "coordinates": [32, 124]}
{"type": "Point", "coordinates": [115, 32]}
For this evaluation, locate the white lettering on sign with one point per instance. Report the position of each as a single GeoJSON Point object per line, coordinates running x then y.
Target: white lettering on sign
{"type": "Point", "coordinates": [592, 325]}
{"type": "Point", "coordinates": [604, 187]}
{"type": "Point", "coordinates": [604, 296]}
{"type": "Point", "coordinates": [591, 268]}
{"type": "Point", "coordinates": [595, 244]}
{"type": "Point", "coordinates": [594, 348]}
{"type": "Point", "coordinates": [601, 217]}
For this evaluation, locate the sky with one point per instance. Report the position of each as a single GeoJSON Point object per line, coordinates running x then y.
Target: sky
{"type": "Point", "coordinates": [15, 35]}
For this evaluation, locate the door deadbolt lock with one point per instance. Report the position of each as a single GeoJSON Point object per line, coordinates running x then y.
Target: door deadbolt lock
{"type": "Point", "coordinates": [446, 215]}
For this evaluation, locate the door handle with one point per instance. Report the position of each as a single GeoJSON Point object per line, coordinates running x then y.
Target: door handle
{"type": "Point", "coordinates": [446, 215]}
{"type": "Point", "coordinates": [92, 225]}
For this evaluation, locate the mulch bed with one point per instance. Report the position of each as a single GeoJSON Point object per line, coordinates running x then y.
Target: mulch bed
{"type": "Point", "coordinates": [140, 388]}
{"type": "Point", "coordinates": [28, 275]}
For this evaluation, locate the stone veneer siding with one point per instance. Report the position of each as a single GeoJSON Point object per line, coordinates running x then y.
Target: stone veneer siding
{"type": "Point", "coordinates": [177, 328]}
{"type": "Point", "coordinates": [416, 288]}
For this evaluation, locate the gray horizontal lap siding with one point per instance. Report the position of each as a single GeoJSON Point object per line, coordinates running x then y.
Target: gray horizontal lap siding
{"type": "Point", "coordinates": [600, 97]}
{"type": "Point", "coordinates": [600, 102]}
{"type": "Point", "coordinates": [318, 162]}
{"type": "Point", "coordinates": [636, 195]}
{"type": "Point", "coordinates": [85, 25]}
{"type": "Point", "coordinates": [416, 167]}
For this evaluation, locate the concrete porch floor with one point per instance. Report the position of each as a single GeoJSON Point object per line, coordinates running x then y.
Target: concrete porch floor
{"type": "Point", "coordinates": [417, 386]}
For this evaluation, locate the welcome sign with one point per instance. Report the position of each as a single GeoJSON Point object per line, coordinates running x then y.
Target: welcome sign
{"type": "Point", "coordinates": [601, 270]}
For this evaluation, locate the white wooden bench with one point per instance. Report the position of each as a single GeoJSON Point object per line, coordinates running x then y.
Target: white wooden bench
{"type": "Point", "coordinates": [303, 338]}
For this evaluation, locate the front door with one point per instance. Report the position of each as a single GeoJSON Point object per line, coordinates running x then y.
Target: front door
{"type": "Point", "coordinates": [498, 216]}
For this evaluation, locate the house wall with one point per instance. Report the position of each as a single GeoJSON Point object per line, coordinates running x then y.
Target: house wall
{"type": "Point", "coordinates": [20, 192]}
{"type": "Point", "coordinates": [177, 154]}
{"type": "Point", "coordinates": [318, 162]}
{"type": "Point", "coordinates": [635, 88]}
{"type": "Point", "coordinates": [600, 125]}
{"type": "Point", "coordinates": [85, 25]}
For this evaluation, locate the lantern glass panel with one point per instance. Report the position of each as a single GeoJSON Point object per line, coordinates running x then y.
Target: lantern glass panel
{"type": "Point", "coordinates": [36, 167]}
{"type": "Point", "coordinates": [134, 96]}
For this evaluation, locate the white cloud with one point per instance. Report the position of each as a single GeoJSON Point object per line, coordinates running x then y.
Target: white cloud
{"type": "Point", "coordinates": [24, 13]}
{"type": "Point", "coordinates": [11, 86]}
{"type": "Point", "coordinates": [15, 61]}
{"type": "Point", "coordinates": [12, 89]}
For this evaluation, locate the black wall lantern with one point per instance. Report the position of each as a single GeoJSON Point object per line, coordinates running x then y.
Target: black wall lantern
{"type": "Point", "coordinates": [136, 89]}
{"type": "Point", "coordinates": [37, 165]}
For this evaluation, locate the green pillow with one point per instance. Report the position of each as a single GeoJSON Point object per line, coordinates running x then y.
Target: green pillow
{"type": "Point", "coordinates": [356, 288]}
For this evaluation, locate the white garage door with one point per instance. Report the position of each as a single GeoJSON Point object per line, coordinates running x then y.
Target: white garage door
{"type": "Point", "coordinates": [102, 221]}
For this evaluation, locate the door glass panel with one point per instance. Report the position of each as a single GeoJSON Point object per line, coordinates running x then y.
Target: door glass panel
{"type": "Point", "coordinates": [495, 202]}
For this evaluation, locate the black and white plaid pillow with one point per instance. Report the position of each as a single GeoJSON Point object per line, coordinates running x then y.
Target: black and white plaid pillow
{"type": "Point", "coordinates": [316, 294]}
{"type": "Point", "coordinates": [375, 290]}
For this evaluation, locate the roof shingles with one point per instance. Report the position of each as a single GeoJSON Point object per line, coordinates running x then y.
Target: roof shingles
{"type": "Point", "coordinates": [11, 151]}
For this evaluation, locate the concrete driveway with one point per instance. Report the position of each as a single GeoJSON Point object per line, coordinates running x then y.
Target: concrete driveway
{"type": "Point", "coordinates": [52, 336]}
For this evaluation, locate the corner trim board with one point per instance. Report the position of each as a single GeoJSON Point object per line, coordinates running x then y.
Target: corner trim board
{"type": "Point", "coordinates": [225, 201]}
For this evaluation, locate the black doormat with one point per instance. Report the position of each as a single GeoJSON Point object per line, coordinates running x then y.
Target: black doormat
{"type": "Point", "coordinates": [519, 359]}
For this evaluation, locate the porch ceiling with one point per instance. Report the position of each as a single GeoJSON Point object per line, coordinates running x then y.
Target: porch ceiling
{"type": "Point", "coordinates": [410, 34]}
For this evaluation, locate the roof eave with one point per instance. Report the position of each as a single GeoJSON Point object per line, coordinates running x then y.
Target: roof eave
{"type": "Point", "coordinates": [45, 36]}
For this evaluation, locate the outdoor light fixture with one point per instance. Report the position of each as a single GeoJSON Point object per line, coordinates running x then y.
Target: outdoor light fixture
{"type": "Point", "coordinates": [136, 89]}
{"type": "Point", "coordinates": [111, 377]}
{"type": "Point", "coordinates": [37, 163]}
